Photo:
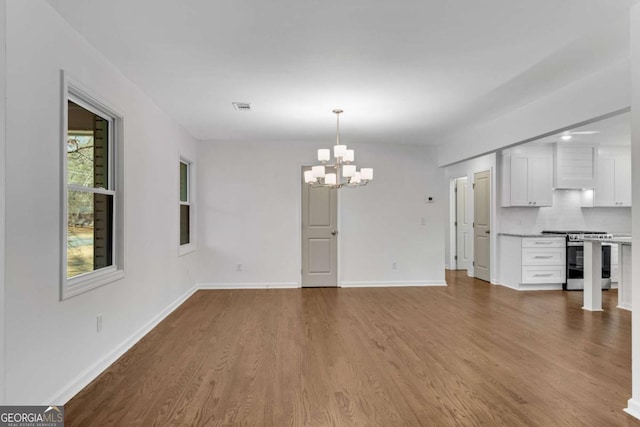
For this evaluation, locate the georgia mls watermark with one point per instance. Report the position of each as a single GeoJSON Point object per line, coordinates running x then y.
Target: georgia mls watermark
{"type": "Point", "coordinates": [31, 416]}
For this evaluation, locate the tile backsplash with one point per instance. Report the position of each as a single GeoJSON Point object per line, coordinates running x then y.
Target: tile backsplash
{"type": "Point", "coordinates": [565, 214]}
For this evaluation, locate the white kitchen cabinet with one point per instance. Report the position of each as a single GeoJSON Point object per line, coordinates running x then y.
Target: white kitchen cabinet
{"type": "Point", "coordinates": [527, 176]}
{"type": "Point", "coordinates": [532, 263]}
{"type": "Point", "coordinates": [613, 177]}
{"type": "Point", "coordinates": [574, 166]}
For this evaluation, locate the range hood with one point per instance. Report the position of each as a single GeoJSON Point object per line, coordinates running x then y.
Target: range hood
{"type": "Point", "coordinates": [574, 166]}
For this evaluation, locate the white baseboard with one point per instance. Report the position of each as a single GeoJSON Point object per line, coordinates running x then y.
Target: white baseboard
{"type": "Point", "coordinates": [393, 284]}
{"type": "Point", "coordinates": [540, 287]}
{"type": "Point", "coordinates": [253, 285]}
{"type": "Point", "coordinates": [624, 307]}
{"type": "Point", "coordinates": [633, 408]}
{"type": "Point", "coordinates": [446, 267]}
{"type": "Point", "coordinates": [91, 373]}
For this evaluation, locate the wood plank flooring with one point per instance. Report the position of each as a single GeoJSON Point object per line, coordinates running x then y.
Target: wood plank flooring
{"type": "Point", "coordinates": [468, 354]}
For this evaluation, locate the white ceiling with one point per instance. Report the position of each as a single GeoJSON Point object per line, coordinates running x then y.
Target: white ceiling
{"type": "Point", "coordinates": [405, 71]}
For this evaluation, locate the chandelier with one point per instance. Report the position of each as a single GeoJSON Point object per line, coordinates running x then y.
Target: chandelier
{"type": "Point", "coordinates": [341, 173]}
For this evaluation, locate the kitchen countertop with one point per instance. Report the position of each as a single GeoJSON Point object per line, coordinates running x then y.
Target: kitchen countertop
{"type": "Point", "coordinates": [529, 235]}
{"type": "Point", "coordinates": [620, 240]}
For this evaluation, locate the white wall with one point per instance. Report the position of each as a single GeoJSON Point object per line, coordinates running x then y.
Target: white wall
{"type": "Point", "coordinates": [565, 214]}
{"type": "Point", "coordinates": [633, 405]}
{"type": "Point", "coordinates": [52, 347]}
{"type": "Point", "coordinates": [381, 223]}
{"type": "Point", "coordinates": [469, 168]}
{"type": "Point", "coordinates": [593, 96]}
{"type": "Point", "coordinates": [3, 10]}
{"type": "Point", "coordinates": [253, 218]}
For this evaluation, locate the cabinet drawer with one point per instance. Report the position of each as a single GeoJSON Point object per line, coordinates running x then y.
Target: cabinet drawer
{"type": "Point", "coordinates": [540, 274]}
{"type": "Point", "coordinates": [543, 256]}
{"type": "Point", "coordinates": [544, 242]}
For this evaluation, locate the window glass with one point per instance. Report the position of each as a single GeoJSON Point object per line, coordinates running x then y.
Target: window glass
{"type": "Point", "coordinates": [90, 198]}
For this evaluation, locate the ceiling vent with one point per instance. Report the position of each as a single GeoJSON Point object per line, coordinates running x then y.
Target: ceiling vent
{"type": "Point", "coordinates": [242, 106]}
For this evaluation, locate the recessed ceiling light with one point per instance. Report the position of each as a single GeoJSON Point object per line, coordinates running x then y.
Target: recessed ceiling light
{"type": "Point", "coordinates": [565, 137]}
{"type": "Point", "coordinates": [242, 106]}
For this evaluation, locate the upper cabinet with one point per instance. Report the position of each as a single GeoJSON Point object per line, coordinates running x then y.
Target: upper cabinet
{"type": "Point", "coordinates": [613, 177]}
{"type": "Point", "coordinates": [574, 166]}
{"type": "Point", "coordinates": [527, 176]}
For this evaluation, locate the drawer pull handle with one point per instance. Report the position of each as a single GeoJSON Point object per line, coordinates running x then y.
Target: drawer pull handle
{"type": "Point", "coordinates": [542, 275]}
{"type": "Point", "coordinates": [543, 243]}
{"type": "Point", "coordinates": [543, 257]}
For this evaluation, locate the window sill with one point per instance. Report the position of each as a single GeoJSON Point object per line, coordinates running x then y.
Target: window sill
{"type": "Point", "coordinates": [186, 249]}
{"type": "Point", "coordinates": [92, 281]}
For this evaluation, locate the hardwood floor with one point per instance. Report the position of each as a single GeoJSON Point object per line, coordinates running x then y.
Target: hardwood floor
{"type": "Point", "coordinates": [467, 354]}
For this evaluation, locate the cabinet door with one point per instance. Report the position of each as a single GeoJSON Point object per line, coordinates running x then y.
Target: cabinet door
{"type": "Point", "coordinates": [604, 194]}
{"type": "Point", "coordinates": [623, 181]}
{"type": "Point", "coordinates": [540, 180]}
{"type": "Point", "coordinates": [519, 181]}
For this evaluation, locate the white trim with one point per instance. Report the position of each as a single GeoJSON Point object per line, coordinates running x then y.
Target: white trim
{"type": "Point", "coordinates": [91, 373]}
{"type": "Point", "coordinates": [187, 248]}
{"type": "Point", "coordinates": [633, 408]}
{"type": "Point", "coordinates": [453, 244]}
{"type": "Point", "coordinates": [392, 284]}
{"type": "Point", "coordinates": [74, 91]}
{"type": "Point", "coordinates": [87, 281]}
{"type": "Point", "coordinates": [446, 267]}
{"type": "Point", "coordinates": [624, 307]}
{"type": "Point", "coordinates": [254, 285]}
{"type": "Point", "coordinates": [536, 287]}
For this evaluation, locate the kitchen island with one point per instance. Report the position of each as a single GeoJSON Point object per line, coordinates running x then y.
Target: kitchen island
{"type": "Point", "coordinates": [593, 269]}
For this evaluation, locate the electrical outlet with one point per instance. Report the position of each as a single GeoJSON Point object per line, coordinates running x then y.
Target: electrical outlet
{"type": "Point", "coordinates": [99, 323]}
{"type": "Point", "coordinates": [394, 265]}
{"type": "Point", "coordinates": [238, 267]}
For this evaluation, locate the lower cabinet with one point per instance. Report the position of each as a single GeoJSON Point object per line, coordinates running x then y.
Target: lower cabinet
{"type": "Point", "coordinates": [532, 263]}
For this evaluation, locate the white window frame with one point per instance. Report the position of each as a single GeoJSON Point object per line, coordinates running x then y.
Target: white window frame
{"type": "Point", "coordinates": [70, 287]}
{"type": "Point", "coordinates": [191, 246]}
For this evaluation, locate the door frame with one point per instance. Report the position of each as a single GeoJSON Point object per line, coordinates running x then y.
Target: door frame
{"type": "Point", "coordinates": [299, 232]}
{"type": "Point", "coordinates": [453, 242]}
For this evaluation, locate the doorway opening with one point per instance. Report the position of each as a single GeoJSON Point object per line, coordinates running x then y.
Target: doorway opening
{"type": "Point", "coordinates": [319, 235]}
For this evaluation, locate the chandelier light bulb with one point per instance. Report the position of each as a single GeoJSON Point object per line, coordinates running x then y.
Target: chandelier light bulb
{"type": "Point", "coordinates": [324, 154]}
{"type": "Point", "coordinates": [308, 177]}
{"type": "Point", "coordinates": [348, 171]}
{"type": "Point", "coordinates": [348, 156]}
{"type": "Point", "coordinates": [366, 173]}
{"type": "Point", "coordinates": [339, 150]}
{"type": "Point", "coordinates": [318, 171]}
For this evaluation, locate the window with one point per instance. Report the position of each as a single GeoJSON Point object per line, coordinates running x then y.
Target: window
{"type": "Point", "coordinates": [92, 197]}
{"type": "Point", "coordinates": [186, 211]}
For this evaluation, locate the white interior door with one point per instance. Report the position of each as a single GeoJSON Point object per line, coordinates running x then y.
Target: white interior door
{"type": "Point", "coordinates": [463, 237]}
{"type": "Point", "coordinates": [319, 235]}
{"type": "Point", "coordinates": [481, 230]}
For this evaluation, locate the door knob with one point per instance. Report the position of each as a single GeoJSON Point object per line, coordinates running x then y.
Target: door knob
{"type": "Point", "coordinates": [487, 232]}
{"type": "Point", "coordinates": [334, 232]}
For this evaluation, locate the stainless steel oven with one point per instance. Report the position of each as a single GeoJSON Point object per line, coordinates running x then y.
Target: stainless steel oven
{"type": "Point", "coordinates": [575, 266]}
{"type": "Point", "coordinates": [575, 258]}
